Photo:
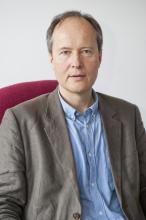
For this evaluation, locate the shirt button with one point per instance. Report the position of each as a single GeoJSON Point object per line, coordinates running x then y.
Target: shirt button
{"type": "Point", "coordinates": [100, 213]}
{"type": "Point", "coordinates": [92, 184]}
{"type": "Point", "coordinates": [90, 155]}
{"type": "Point", "coordinates": [76, 215]}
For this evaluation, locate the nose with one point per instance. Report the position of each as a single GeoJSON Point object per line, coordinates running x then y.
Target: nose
{"type": "Point", "coordinates": [76, 61]}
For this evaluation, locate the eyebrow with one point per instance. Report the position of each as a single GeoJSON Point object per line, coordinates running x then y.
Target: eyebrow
{"type": "Point", "coordinates": [69, 48]}
{"type": "Point", "coordinates": [65, 48]}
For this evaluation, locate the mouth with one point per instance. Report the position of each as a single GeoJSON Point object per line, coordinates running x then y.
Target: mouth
{"type": "Point", "coordinates": [77, 74]}
{"type": "Point", "coordinates": [77, 77]}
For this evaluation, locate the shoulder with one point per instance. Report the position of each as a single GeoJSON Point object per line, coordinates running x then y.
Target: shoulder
{"type": "Point", "coordinates": [27, 112]}
{"type": "Point", "coordinates": [37, 104]}
{"type": "Point", "coordinates": [115, 102]}
{"type": "Point", "coordinates": [116, 106]}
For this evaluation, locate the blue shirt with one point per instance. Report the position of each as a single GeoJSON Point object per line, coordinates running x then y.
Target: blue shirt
{"type": "Point", "coordinates": [97, 192]}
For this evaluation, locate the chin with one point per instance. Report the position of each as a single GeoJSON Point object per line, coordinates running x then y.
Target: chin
{"type": "Point", "coordinates": [80, 90]}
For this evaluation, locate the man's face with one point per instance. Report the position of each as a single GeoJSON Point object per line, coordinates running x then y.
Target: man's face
{"type": "Point", "coordinates": [75, 56]}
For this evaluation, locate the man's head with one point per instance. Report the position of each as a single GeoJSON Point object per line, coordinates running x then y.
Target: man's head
{"type": "Point", "coordinates": [75, 49]}
{"type": "Point", "coordinates": [61, 17]}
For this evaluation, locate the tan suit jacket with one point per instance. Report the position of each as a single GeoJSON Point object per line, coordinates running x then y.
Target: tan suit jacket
{"type": "Point", "coordinates": [37, 172]}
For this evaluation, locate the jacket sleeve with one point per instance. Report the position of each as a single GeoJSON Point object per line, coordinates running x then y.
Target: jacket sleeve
{"type": "Point", "coordinates": [141, 146]}
{"type": "Point", "coordinates": [12, 169]}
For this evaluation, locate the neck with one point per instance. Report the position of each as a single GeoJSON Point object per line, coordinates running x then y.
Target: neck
{"type": "Point", "coordinates": [78, 101]}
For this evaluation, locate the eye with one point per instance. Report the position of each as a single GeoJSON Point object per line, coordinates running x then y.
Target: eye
{"type": "Point", "coordinates": [87, 52]}
{"type": "Point", "coordinates": [65, 52]}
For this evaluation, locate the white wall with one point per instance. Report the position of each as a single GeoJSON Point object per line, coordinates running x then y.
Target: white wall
{"type": "Point", "coordinates": [23, 51]}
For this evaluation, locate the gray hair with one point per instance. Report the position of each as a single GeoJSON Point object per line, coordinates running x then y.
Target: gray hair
{"type": "Point", "coordinates": [61, 17]}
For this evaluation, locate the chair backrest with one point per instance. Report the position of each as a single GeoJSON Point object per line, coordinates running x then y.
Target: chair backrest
{"type": "Point", "coordinates": [20, 92]}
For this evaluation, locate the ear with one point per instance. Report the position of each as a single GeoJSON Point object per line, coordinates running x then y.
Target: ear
{"type": "Point", "coordinates": [100, 57]}
{"type": "Point", "coordinates": [50, 58]}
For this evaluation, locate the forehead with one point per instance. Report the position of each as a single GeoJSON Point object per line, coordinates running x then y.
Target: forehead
{"type": "Point", "coordinates": [74, 25]}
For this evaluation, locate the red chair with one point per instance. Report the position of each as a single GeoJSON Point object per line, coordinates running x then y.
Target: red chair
{"type": "Point", "coordinates": [20, 92]}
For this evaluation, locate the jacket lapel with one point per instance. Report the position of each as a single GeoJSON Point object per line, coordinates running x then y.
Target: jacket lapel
{"type": "Point", "coordinates": [112, 128]}
{"type": "Point", "coordinates": [57, 133]}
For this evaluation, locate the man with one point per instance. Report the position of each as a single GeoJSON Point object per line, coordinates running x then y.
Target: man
{"type": "Point", "coordinates": [73, 153]}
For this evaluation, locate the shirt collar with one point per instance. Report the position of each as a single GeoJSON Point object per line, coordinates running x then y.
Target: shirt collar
{"type": "Point", "coordinates": [71, 112]}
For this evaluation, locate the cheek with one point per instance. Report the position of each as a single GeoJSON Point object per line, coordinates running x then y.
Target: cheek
{"type": "Point", "coordinates": [60, 71]}
{"type": "Point", "coordinates": [93, 66]}
{"type": "Point", "coordinates": [60, 67]}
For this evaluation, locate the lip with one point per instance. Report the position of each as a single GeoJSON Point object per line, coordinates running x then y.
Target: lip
{"type": "Point", "coordinates": [77, 77]}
